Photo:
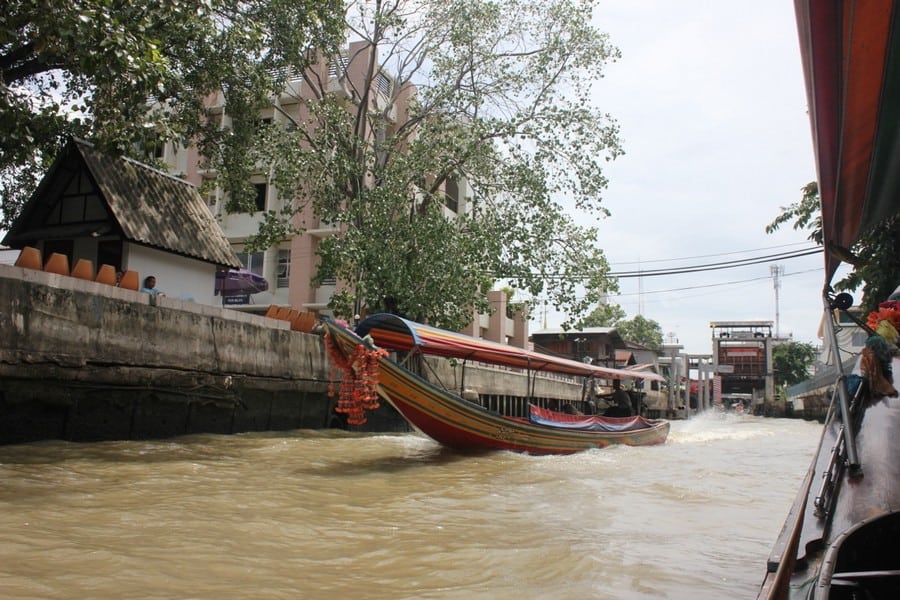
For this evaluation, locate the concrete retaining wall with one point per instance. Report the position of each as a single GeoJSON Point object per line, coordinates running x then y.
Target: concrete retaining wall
{"type": "Point", "coordinates": [84, 361]}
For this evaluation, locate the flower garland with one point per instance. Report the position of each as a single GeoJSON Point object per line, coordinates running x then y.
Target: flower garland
{"type": "Point", "coordinates": [357, 389]}
{"type": "Point", "coordinates": [888, 313]}
{"type": "Point", "coordinates": [879, 349]}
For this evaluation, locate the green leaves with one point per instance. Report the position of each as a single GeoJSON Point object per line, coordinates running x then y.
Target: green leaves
{"type": "Point", "coordinates": [112, 71]}
{"type": "Point", "coordinates": [605, 315]}
{"type": "Point", "coordinates": [791, 362]}
{"type": "Point", "coordinates": [646, 332]}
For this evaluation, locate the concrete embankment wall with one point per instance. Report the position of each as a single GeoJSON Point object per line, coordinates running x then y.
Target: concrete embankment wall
{"type": "Point", "coordinates": [84, 361]}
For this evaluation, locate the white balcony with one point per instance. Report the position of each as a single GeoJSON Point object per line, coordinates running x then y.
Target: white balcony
{"type": "Point", "coordinates": [385, 106]}
{"type": "Point", "coordinates": [323, 231]}
{"type": "Point", "coordinates": [322, 298]}
{"type": "Point", "coordinates": [293, 86]}
{"type": "Point", "coordinates": [340, 87]}
{"type": "Point", "coordinates": [241, 225]}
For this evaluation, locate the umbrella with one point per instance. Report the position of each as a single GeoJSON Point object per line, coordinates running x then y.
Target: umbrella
{"type": "Point", "coordinates": [239, 282]}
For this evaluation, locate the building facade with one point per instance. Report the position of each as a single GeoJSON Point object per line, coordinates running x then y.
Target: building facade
{"type": "Point", "coordinates": [742, 356]}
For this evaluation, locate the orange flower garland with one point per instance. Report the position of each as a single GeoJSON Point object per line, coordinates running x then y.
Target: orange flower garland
{"type": "Point", "coordinates": [887, 311]}
{"type": "Point", "coordinates": [357, 390]}
{"type": "Point", "coordinates": [876, 356]}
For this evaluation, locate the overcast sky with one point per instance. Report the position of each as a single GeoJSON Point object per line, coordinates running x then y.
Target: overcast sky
{"type": "Point", "coordinates": [711, 103]}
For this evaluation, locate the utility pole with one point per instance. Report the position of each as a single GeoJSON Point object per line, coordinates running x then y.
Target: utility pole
{"type": "Point", "coordinates": [640, 290]}
{"type": "Point", "coordinates": [777, 272]}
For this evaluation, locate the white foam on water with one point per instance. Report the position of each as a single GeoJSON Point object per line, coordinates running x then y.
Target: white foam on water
{"type": "Point", "coordinates": [713, 426]}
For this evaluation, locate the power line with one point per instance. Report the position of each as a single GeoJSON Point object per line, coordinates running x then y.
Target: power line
{"type": "Point", "coordinates": [730, 264]}
{"type": "Point", "coordinates": [705, 286]}
{"type": "Point", "coordinates": [662, 260]}
{"type": "Point", "coordinates": [712, 285]}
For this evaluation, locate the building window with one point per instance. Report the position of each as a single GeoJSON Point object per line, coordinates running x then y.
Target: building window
{"type": "Point", "coordinates": [152, 147]}
{"type": "Point", "coordinates": [109, 252]}
{"type": "Point", "coordinates": [383, 84]}
{"type": "Point", "coordinates": [451, 194]}
{"type": "Point", "coordinates": [283, 274]}
{"type": "Point", "coordinates": [337, 66]}
{"type": "Point", "coordinates": [252, 261]}
{"type": "Point", "coordinates": [66, 247]}
{"type": "Point", "coordinates": [261, 192]}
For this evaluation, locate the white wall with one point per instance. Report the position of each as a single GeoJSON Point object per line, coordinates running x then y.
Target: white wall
{"type": "Point", "coordinates": [177, 277]}
{"type": "Point", "coordinates": [8, 256]}
{"type": "Point", "coordinates": [240, 225]}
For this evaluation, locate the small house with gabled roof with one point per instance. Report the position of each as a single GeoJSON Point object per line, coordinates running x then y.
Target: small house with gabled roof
{"type": "Point", "coordinates": [117, 211]}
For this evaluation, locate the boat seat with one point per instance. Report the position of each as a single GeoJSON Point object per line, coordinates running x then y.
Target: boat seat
{"type": "Point", "coordinates": [57, 263]}
{"type": "Point", "coordinates": [83, 269]}
{"type": "Point", "coordinates": [130, 281]}
{"type": "Point", "coordinates": [30, 258]}
{"type": "Point", "coordinates": [106, 274]}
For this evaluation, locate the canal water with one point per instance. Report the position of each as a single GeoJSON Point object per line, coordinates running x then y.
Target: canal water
{"type": "Point", "coordinates": [328, 514]}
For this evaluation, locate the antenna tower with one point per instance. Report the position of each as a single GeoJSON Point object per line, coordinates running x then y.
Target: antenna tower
{"type": "Point", "coordinates": [777, 272]}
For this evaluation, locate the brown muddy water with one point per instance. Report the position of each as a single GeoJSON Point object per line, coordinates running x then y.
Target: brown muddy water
{"type": "Point", "coordinates": [327, 514]}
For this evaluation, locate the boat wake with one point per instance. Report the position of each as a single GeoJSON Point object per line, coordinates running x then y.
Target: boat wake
{"type": "Point", "coordinates": [712, 426]}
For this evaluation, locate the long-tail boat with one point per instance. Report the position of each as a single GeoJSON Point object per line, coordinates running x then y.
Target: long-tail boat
{"type": "Point", "coordinates": [454, 421]}
{"type": "Point", "coordinates": [841, 538]}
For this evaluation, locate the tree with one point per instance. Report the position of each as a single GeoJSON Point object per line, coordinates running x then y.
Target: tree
{"type": "Point", "coordinates": [500, 101]}
{"type": "Point", "coordinates": [791, 362]}
{"type": "Point", "coordinates": [88, 68]}
{"type": "Point", "coordinates": [640, 330]}
{"type": "Point", "coordinates": [874, 257]}
{"type": "Point", "coordinates": [605, 315]}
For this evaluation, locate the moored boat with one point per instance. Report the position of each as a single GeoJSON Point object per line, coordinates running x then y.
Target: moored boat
{"type": "Point", "coordinates": [840, 538]}
{"type": "Point", "coordinates": [451, 420]}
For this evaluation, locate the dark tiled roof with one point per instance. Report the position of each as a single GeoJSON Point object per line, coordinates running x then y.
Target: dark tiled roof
{"type": "Point", "coordinates": [158, 210]}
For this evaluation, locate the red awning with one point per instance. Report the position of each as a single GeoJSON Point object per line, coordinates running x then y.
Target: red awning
{"type": "Point", "coordinates": [850, 60]}
{"type": "Point", "coordinates": [395, 333]}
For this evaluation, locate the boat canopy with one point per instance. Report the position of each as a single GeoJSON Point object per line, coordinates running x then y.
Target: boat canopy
{"type": "Point", "coordinates": [396, 333]}
{"type": "Point", "coordinates": [851, 62]}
